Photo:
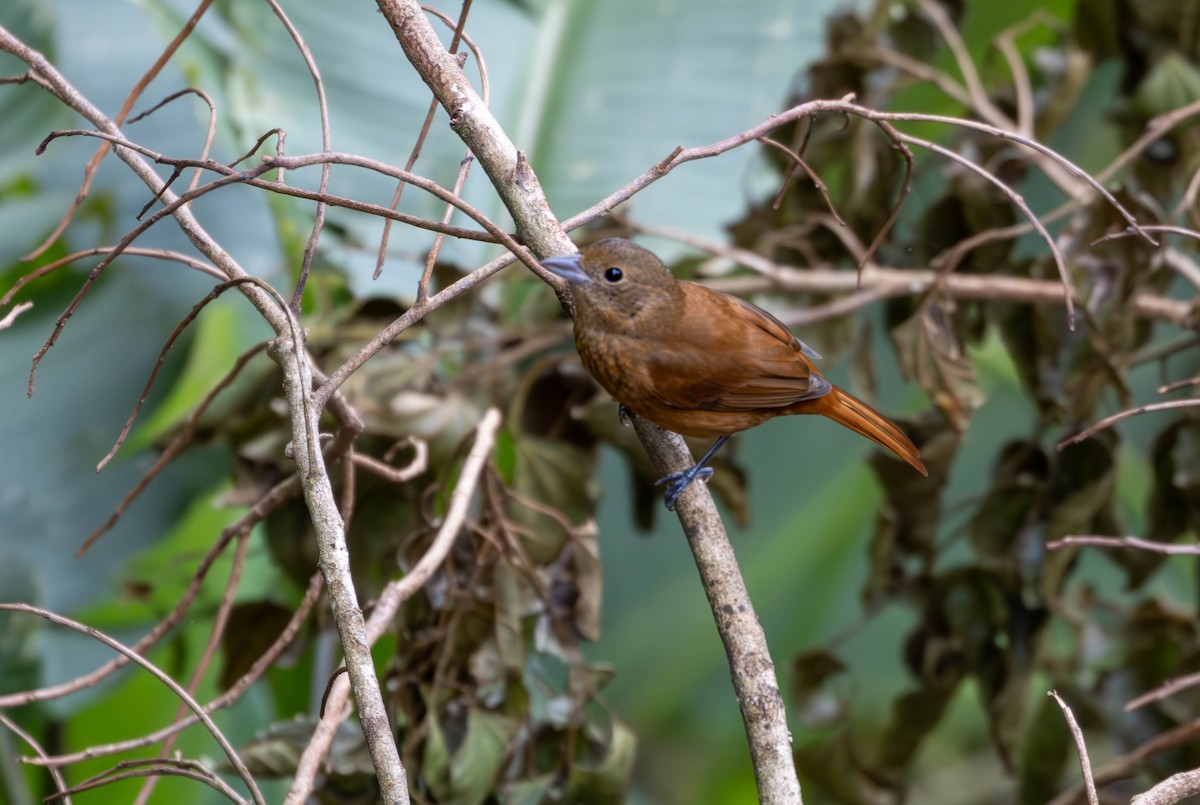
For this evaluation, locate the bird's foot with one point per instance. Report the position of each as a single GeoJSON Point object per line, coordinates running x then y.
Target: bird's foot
{"type": "Point", "coordinates": [624, 415]}
{"type": "Point", "coordinates": [678, 481]}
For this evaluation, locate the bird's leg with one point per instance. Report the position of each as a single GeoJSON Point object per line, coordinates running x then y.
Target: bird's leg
{"type": "Point", "coordinates": [678, 481]}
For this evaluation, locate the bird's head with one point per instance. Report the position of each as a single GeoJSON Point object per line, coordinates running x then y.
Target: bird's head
{"type": "Point", "coordinates": [617, 284]}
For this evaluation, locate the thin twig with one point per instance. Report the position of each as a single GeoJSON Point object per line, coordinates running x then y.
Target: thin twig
{"type": "Point", "coordinates": [162, 359]}
{"type": "Point", "coordinates": [1109, 421]}
{"type": "Point", "coordinates": [280, 493]}
{"type": "Point", "coordinates": [419, 143]}
{"type": "Point", "coordinates": [138, 251]}
{"type": "Point", "coordinates": [253, 180]}
{"type": "Point", "coordinates": [10, 318]}
{"type": "Point", "coordinates": [126, 108]}
{"type": "Point", "coordinates": [230, 696]}
{"type": "Point", "coordinates": [161, 767]}
{"type": "Point", "coordinates": [230, 753]}
{"type": "Point", "coordinates": [1166, 690]}
{"type": "Point", "coordinates": [176, 446]}
{"type": "Point", "coordinates": [407, 319]}
{"type": "Point", "coordinates": [980, 100]}
{"type": "Point", "coordinates": [1084, 764]}
{"type": "Point", "coordinates": [209, 135]}
{"type": "Point", "coordinates": [894, 213]}
{"type": "Point", "coordinates": [501, 236]}
{"type": "Point", "coordinates": [310, 249]}
{"type": "Point", "coordinates": [397, 475]}
{"type": "Point", "coordinates": [1176, 385]}
{"type": "Point", "coordinates": [60, 784]}
{"type": "Point", "coordinates": [176, 204]}
{"type": "Point", "coordinates": [216, 635]}
{"type": "Point", "coordinates": [1168, 548]}
{"type": "Point", "coordinates": [798, 160]}
{"type": "Point", "coordinates": [393, 596]}
{"type": "Point", "coordinates": [1020, 203]}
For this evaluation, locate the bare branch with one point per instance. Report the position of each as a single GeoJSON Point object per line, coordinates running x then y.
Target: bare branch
{"type": "Point", "coordinates": [1169, 548]}
{"type": "Point", "coordinates": [260, 667]}
{"type": "Point", "coordinates": [1109, 421]}
{"type": "Point", "coordinates": [154, 671]}
{"type": "Point", "coordinates": [288, 351]}
{"type": "Point", "coordinates": [10, 318]}
{"type": "Point", "coordinates": [890, 282]}
{"type": "Point", "coordinates": [392, 597]}
{"type": "Point", "coordinates": [751, 667]}
{"type": "Point", "coordinates": [60, 784]}
{"type": "Point", "coordinates": [1175, 788]}
{"type": "Point", "coordinates": [1164, 691]}
{"type": "Point", "coordinates": [310, 248]}
{"type": "Point", "coordinates": [415, 467]}
{"type": "Point", "coordinates": [58, 87]}
{"type": "Point", "coordinates": [457, 37]}
{"type": "Point", "coordinates": [162, 358]}
{"type": "Point", "coordinates": [1084, 764]}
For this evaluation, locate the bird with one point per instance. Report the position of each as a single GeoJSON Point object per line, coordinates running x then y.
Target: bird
{"type": "Point", "coordinates": [696, 361]}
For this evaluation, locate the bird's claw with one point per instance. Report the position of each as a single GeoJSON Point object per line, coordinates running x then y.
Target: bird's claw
{"type": "Point", "coordinates": [679, 481]}
{"type": "Point", "coordinates": [624, 414]}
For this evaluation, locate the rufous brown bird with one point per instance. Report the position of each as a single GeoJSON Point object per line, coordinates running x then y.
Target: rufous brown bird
{"type": "Point", "coordinates": [697, 361]}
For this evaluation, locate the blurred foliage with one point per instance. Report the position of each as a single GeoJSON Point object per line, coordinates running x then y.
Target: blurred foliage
{"type": "Point", "coordinates": [494, 692]}
{"type": "Point", "coordinates": [995, 610]}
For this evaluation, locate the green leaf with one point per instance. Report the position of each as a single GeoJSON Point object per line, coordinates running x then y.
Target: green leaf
{"type": "Point", "coordinates": [476, 765]}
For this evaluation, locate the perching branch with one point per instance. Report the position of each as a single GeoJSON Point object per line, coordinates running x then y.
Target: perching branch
{"type": "Point", "coordinates": [750, 663]}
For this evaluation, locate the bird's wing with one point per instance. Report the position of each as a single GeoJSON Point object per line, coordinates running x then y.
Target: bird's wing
{"type": "Point", "coordinates": [739, 358]}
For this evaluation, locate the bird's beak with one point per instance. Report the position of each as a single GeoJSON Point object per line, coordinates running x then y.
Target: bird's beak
{"type": "Point", "coordinates": [567, 267]}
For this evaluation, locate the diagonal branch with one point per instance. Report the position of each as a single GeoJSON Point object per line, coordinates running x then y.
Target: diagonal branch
{"type": "Point", "coordinates": [751, 666]}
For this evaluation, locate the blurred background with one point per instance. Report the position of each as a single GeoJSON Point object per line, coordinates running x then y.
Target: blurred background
{"type": "Point", "coordinates": [916, 629]}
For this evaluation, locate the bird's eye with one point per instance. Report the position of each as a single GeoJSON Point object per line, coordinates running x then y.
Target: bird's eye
{"type": "Point", "coordinates": [613, 274]}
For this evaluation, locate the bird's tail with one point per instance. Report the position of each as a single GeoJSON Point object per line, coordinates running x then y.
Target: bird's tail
{"type": "Point", "coordinates": [851, 412]}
